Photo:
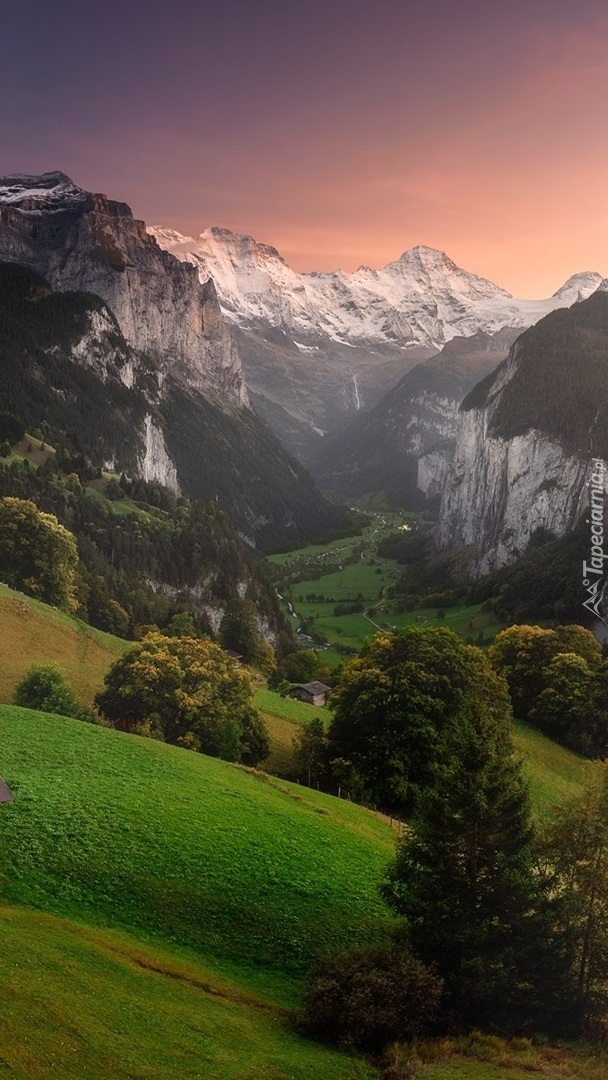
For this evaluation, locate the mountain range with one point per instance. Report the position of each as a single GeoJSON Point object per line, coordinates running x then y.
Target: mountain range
{"type": "Point", "coordinates": [318, 348]}
{"type": "Point", "coordinates": [131, 342]}
{"type": "Point", "coordinates": [153, 337]}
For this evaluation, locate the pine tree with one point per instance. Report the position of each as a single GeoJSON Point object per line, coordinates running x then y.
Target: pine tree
{"type": "Point", "coordinates": [464, 876]}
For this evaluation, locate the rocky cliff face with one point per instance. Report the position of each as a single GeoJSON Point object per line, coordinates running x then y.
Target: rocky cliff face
{"type": "Point", "coordinates": [66, 368]}
{"type": "Point", "coordinates": [405, 444]}
{"type": "Point", "coordinates": [89, 243]}
{"type": "Point", "coordinates": [528, 434]}
{"type": "Point", "coordinates": [499, 491]}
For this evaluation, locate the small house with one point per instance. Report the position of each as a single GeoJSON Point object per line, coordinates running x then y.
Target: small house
{"type": "Point", "coordinates": [127, 722]}
{"type": "Point", "coordinates": [313, 693]}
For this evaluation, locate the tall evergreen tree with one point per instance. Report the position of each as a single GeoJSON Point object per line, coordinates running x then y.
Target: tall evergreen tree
{"type": "Point", "coordinates": [464, 875]}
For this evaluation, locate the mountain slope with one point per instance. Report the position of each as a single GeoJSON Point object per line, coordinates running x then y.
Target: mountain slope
{"type": "Point", "coordinates": [39, 633]}
{"type": "Point", "coordinates": [404, 445]}
{"type": "Point", "coordinates": [256, 876]}
{"type": "Point", "coordinates": [529, 431]}
{"type": "Point", "coordinates": [176, 414]}
{"type": "Point", "coordinates": [84, 242]}
{"type": "Point", "coordinates": [318, 348]}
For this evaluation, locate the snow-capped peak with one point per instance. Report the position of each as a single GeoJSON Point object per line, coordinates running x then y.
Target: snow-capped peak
{"type": "Point", "coordinates": [166, 238]}
{"type": "Point", "coordinates": [49, 188]}
{"type": "Point", "coordinates": [422, 257]}
{"type": "Point", "coordinates": [422, 298]}
{"type": "Point", "coordinates": [578, 287]}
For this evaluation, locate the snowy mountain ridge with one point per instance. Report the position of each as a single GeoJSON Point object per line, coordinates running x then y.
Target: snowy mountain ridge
{"type": "Point", "coordinates": [421, 299]}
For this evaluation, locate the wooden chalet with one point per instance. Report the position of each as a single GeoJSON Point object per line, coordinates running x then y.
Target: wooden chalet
{"type": "Point", "coordinates": [313, 693]}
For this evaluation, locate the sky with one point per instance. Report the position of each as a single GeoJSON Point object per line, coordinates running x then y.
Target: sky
{"type": "Point", "coordinates": [341, 132]}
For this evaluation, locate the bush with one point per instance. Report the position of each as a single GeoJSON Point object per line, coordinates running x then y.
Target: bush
{"type": "Point", "coordinates": [368, 998]}
{"type": "Point", "coordinates": [45, 688]}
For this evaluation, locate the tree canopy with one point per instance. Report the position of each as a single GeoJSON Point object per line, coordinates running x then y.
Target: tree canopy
{"type": "Point", "coordinates": [45, 687]}
{"type": "Point", "coordinates": [189, 692]}
{"type": "Point", "coordinates": [37, 554]}
{"type": "Point", "coordinates": [557, 682]}
{"type": "Point", "coordinates": [394, 704]}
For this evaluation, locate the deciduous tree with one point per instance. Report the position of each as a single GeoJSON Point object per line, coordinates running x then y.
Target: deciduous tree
{"type": "Point", "coordinates": [561, 710]}
{"type": "Point", "coordinates": [394, 703]}
{"type": "Point", "coordinates": [522, 654]}
{"type": "Point", "coordinates": [37, 554]}
{"type": "Point", "coordinates": [310, 750]}
{"type": "Point", "coordinates": [45, 687]}
{"type": "Point", "coordinates": [193, 690]}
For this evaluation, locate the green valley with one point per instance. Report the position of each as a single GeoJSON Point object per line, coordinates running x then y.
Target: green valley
{"type": "Point", "coordinates": [341, 593]}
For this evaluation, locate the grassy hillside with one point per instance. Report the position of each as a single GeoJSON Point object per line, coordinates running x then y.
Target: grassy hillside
{"type": "Point", "coordinates": [33, 632]}
{"type": "Point", "coordinates": [78, 1003]}
{"type": "Point", "coordinates": [255, 876]}
{"type": "Point", "coordinates": [553, 773]}
{"type": "Point", "coordinates": [207, 890]}
{"type": "Point", "coordinates": [299, 712]}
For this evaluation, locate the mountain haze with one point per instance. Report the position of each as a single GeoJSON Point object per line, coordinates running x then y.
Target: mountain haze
{"type": "Point", "coordinates": [318, 348]}
{"type": "Point", "coordinates": [404, 445]}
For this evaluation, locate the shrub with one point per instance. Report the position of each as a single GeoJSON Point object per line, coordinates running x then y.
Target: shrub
{"type": "Point", "coordinates": [45, 688]}
{"type": "Point", "coordinates": [368, 998]}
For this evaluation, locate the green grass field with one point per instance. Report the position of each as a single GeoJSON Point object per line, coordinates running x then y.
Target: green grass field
{"type": "Point", "coordinates": [254, 876]}
{"type": "Point", "coordinates": [365, 581]}
{"type": "Point", "coordinates": [169, 904]}
{"type": "Point", "coordinates": [344, 546]}
{"type": "Point", "coordinates": [289, 708]}
{"type": "Point", "coordinates": [79, 1003]}
{"type": "Point", "coordinates": [553, 773]}
{"type": "Point", "coordinates": [33, 632]}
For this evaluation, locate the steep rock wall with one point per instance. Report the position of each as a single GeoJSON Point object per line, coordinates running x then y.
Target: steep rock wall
{"type": "Point", "coordinates": [86, 242]}
{"type": "Point", "coordinates": [499, 491]}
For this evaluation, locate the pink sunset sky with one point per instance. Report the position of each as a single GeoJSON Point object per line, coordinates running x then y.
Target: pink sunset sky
{"type": "Point", "coordinates": [341, 132]}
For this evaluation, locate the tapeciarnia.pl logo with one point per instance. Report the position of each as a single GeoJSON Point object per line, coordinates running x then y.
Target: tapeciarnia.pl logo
{"type": "Point", "coordinates": [593, 570]}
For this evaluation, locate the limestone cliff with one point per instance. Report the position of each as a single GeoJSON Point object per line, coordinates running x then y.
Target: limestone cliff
{"type": "Point", "coordinates": [499, 491]}
{"type": "Point", "coordinates": [66, 369]}
{"type": "Point", "coordinates": [528, 434]}
{"type": "Point", "coordinates": [89, 243]}
{"type": "Point", "coordinates": [404, 446]}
